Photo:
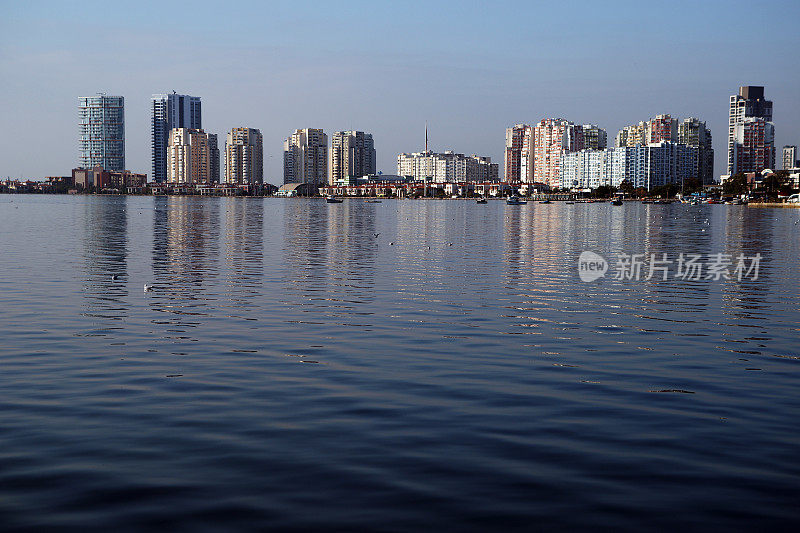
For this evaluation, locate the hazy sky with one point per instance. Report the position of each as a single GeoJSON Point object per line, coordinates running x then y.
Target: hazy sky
{"type": "Point", "coordinates": [470, 69]}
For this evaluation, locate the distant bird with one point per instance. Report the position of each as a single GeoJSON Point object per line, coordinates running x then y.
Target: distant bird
{"type": "Point", "coordinates": [114, 276]}
{"type": "Point", "coordinates": [391, 244]}
{"type": "Point", "coordinates": [449, 244]}
{"type": "Point", "coordinates": [147, 288]}
{"type": "Point", "coordinates": [376, 235]}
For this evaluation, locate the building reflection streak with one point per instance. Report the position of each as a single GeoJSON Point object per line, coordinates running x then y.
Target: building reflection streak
{"type": "Point", "coordinates": [105, 253]}
{"type": "Point", "coordinates": [184, 259]}
{"type": "Point", "coordinates": [243, 252]}
{"type": "Point", "coordinates": [305, 242]}
{"type": "Point", "coordinates": [748, 232]}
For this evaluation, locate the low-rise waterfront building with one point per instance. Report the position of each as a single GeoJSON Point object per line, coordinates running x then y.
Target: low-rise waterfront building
{"type": "Point", "coordinates": [446, 167]}
{"type": "Point", "coordinates": [99, 178]}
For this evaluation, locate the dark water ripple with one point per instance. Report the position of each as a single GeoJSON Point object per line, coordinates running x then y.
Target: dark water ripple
{"type": "Point", "coordinates": [389, 367]}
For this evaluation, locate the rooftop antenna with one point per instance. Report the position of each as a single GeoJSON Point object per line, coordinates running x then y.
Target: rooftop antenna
{"type": "Point", "coordinates": [426, 136]}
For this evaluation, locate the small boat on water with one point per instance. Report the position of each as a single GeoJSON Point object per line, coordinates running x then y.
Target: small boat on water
{"type": "Point", "coordinates": [331, 199]}
{"type": "Point", "coordinates": [373, 201]}
{"type": "Point", "coordinates": [616, 201]}
{"type": "Point", "coordinates": [569, 202]}
{"type": "Point", "coordinates": [545, 201]}
{"type": "Point", "coordinates": [481, 200]}
{"type": "Point", "coordinates": [514, 200]}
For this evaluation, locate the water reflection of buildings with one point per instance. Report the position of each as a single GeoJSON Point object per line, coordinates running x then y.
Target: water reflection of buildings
{"type": "Point", "coordinates": [185, 252]}
{"type": "Point", "coordinates": [185, 239]}
{"type": "Point", "coordinates": [243, 248]}
{"type": "Point", "coordinates": [305, 245]}
{"type": "Point", "coordinates": [748, 232]}
{"type": "Point", "coordinates": [105, 243]}
{"type": "Point", "coordinates": [535, 237]}
{"type": "Point", "coordinates": [351, 248]}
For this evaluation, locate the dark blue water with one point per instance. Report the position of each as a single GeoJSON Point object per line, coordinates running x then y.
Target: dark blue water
{"type": "Point", "coordinates": [291, 370]}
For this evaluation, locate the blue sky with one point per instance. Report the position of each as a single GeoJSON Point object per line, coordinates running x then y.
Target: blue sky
{"type": "Point", "coordinates": [470, 69]}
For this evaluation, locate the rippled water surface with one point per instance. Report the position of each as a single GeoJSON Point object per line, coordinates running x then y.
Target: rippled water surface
{"type": "Point", "coordinates": [404, 365]}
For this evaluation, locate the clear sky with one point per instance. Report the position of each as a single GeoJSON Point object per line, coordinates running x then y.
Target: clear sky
{"type": "Point", "coordinates": [470, 69]}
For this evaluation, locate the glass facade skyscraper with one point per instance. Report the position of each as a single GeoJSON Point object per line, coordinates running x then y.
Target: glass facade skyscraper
{"type": "Point", "coordinates": [101, 120]}
{"type": "Point", "coordinates": [167, 112]}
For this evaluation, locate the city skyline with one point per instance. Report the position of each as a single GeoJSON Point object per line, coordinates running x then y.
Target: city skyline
{"type": "Point", "coordinates": [469, 89]}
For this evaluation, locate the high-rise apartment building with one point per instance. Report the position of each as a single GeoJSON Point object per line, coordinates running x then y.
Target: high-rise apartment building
{"type": "Point", "coordinates": [594, 137]}
{"type": "Point", "coordinates": [753, 145]}
{"type": "Point", "coordinates": [631, 135]}
{"type": "Point", "coordinates": [167, 112]}
{"type": "Point", "coordinates": [188, 157]}
{"type": "Point", "coordinates": [790, 157]}
{"type": "Point", "coordinates": [661, 128]}
{"type": "Point", "coordinates": [213, 156]}
{"type": "Point", "coordinates": [518, 151]}
{"type": "Point", "coordinates": [101, 120]}
{"type": "Point", "coordinates": [644, 165]}
{"type": "Point", "coordinates": [552, 137]}
{"type": "Point", "coordinates": [657, 129]}
{"type": "Point", "coordinates": [749, 103]}
{"type": "Point", "coordinates": [244, 157]}
{"type": "Point", "coordinates": [694, 132]}
{"type": "Point", "coordinates": [352, 155]}
{"type": "Point", "coordinates": [305, 157]}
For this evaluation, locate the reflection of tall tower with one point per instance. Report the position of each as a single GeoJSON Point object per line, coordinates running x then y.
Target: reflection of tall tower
{"type": "Point", "coordinates": [242, 248]}
{"type": "Point", "coordinates": [305, 240]}
{"type": "Point", "coordinates": [352, 248]}
{"type": "Point", "coordinates": [105, 252]}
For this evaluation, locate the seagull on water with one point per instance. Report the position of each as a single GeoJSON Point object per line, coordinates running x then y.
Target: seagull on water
{"type": "Point", "coordinates": [147, 287]}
